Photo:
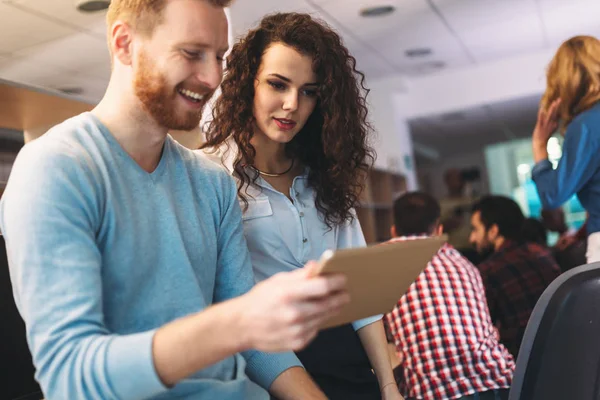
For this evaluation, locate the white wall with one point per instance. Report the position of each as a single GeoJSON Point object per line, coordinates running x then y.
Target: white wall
{"type": "Point", "coordinates": [392, 142]}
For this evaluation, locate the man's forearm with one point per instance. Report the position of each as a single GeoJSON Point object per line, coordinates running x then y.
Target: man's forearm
{"type": "Point", "coordinates": [295, 383]}
{"type": "Point", "coordinates": [192, 343]}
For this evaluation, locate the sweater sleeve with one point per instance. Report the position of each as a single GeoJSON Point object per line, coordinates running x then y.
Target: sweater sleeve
{"type": "Point", "coordinates": [235, 277]}
{"type": "Point", "coordinates": [49, 215]}
{"type": "Point", "coordinates": [576, 167]}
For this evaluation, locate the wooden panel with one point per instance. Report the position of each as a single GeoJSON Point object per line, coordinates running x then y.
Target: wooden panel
{"type": "Point", "coordinates": [26, 108]}
{"type": "Point", "coordinates": [398, 186]}
{"type": "Point", "coordinates": [381, 187]}
{"type": "Point", "coordinates": [383, 222]}
{"type": "Point", "coordinates": [366, 218]}
{"type": "Point", "coordinates": [375, 211]}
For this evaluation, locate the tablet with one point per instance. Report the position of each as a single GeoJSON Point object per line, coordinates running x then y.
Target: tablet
{"type": "Point", "coordinates": [378, 276]}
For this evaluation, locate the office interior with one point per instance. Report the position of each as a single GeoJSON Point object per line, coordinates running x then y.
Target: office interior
{"type": "Point", "coordinates": [453, 84]}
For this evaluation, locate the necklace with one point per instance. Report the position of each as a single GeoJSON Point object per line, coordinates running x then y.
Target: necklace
{"type": "Point", "coordinates": [273, 175]}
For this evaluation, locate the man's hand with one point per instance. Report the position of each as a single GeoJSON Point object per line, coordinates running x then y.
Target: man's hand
{"type": "Point", "coordinates": [285, 312]}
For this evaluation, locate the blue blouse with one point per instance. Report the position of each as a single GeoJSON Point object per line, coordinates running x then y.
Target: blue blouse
{"type": "Point", "coordinates": [578, 170]}
{"type": "Point", "coordinates": [284, 235]}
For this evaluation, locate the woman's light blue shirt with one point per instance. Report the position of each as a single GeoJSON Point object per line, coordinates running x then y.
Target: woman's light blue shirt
{"type": "Point", "coordinates": [284, 234]}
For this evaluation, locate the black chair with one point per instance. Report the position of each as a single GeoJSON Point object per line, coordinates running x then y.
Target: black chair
{"type": "Point", "coordinates": [16, 367]}
{"type": "Point", "coordinates": [559, 357]}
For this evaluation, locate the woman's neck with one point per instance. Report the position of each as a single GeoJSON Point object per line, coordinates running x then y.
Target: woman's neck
{"type": "Point", "coordinates": [270, 156]}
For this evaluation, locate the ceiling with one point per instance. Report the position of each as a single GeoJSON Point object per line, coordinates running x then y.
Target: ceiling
{"type": "Point", "coordinates": [472, 129]}
{"type": "Point", "coordinates": [459, 32]}
{"type": "Point", "coordinates": [51, 44]}
{"type": "Point", "coordinates": [48, 43]}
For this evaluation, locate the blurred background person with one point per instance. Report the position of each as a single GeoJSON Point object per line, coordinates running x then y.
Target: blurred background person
{"type": "Point", "coordinates": [442, 354]}
{"type": "Point", "coordinates": [570, 249]}
{"type": "Point", "coordinates": [517, 272]}
{"type": "Point", "coordinates": [571, 104]}
{"type": "Point", "coordinates": [534, 231]}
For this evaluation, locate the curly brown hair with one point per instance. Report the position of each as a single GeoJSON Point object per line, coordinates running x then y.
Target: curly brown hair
{"type": "Point", "coordinates": [334, 142]}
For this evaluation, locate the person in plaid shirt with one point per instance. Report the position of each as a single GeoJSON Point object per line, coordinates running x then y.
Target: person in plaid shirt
{"type": "Point", "coordinates": [444, 336]}
{"type": "Point", "coordinates": [517, 273]}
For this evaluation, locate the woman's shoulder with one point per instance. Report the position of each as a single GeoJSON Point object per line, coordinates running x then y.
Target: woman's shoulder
{"type": "Point", "coordinates": [589, 117]}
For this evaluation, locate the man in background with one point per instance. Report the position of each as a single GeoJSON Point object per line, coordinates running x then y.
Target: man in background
{"type": "Point", "coordinates": [448, 347]}
{"type": "Point", "coordinates": [516, 273]}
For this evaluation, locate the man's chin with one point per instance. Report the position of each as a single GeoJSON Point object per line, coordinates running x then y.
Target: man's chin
{"type": "Point", "coordinates": [485, 252]}
{"type": "Point", "coordinates": [183, 123]}
{"type": "Point", "coordinates": [184, 126]}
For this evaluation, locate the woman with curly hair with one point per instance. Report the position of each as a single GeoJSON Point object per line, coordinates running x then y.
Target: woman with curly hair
{"type": "Point", "coordinates": [291, 126]}
{"type": "Point", "coordinates": [571, 102]}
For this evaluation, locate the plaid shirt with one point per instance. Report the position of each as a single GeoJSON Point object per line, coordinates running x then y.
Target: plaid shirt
{"type": "Point", "coordinates": [515, 277]}
{"type": "Point", "coordinates": [444, 334]}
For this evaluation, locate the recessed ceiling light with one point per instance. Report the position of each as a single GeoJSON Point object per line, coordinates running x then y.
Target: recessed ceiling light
{"type": "Point", "coordinates": [423, 68]}
{"type": "Point", "coordinates": [73, 90]}
{"type": "Point", "coordinates": [89, 6]}
{"type": "Point", "coordinates": [377, 11]}
{"type": "Point", "coordinates": [418, 52]}
{"type": "Point", "coordinates": [431, 66]}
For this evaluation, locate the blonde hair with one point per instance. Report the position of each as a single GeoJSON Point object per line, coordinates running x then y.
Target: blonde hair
{"type": "Point", "coordinates": [143, 15]}
{"type": "Point", "coordinates": [574, 77]}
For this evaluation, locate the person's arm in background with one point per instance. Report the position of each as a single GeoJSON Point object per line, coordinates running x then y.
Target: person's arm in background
{"type": "Point", "coordinates": [370, 330]}
{"type": "Point", "coordinates": [280, 373]}
{"type": "Point", "coordinates": [578, 237]}
{"type": "Point", "coordinates": [577, 165]}
{"type": "Point", "coordinates": [546, 125]}
{"type": "Point", "coordinates": [581, 233]}
{"type": "Point", "coordinates": [372, 337]}
{"type": "Point", "coordinates": [394, 357]}
{"type": "Point", "coordinates": [49, 218]}
{"type": "Point", "coordinates": [391, 326]}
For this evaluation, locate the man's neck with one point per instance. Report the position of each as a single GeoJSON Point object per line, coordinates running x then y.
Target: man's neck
{"type": "Point", "coordinates": [133, 128]}
{"type": "Point", "coordinates": [498, 243]}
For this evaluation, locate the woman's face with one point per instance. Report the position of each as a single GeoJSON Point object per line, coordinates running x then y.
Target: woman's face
{"type": "Point", "coordinates": [285, 93]}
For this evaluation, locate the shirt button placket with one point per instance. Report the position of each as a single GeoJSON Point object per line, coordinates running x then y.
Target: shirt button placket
{"type": "Point", "coordinates": [301, 214]}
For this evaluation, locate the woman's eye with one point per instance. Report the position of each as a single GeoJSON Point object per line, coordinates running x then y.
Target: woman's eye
{"type": "Point", "coordinates": [310, 92]}
{"type": "Point", "coordinates": [277, 85]}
